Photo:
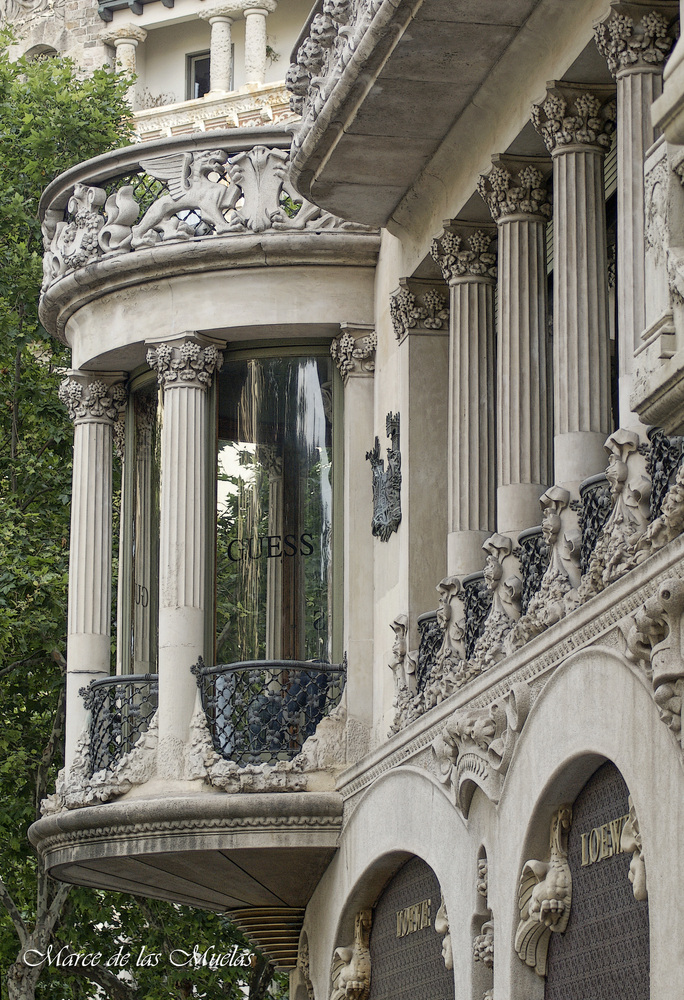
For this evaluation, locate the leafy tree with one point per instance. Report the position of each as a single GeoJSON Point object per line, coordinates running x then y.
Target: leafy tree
{"type": "Point", "coordinates": [50, 119]}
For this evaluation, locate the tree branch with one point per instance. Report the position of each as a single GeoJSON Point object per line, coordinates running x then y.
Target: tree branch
{"type": "Point", "coordinates": [114, 988]}
{"type": "Point", "coordinates": [56, 906]}
{"type": "Point", "coordinates": [31, 661]}
{"type": "Point", "coordinates": [43, 769]}
{"type": "Point", "coordinates": [15, 916]}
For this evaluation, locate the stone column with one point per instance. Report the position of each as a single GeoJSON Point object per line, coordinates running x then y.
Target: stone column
{"type": "Point", "coordinates": [517, 196]}
{"type": "Point", "coordinates": [125, 38]}
{"type": "Point", "coordinates": [185, 368]}
{"type": "Point", "coordinates": [220, 47]}
{"type": "Point", "coordinates": [255, 40]}
{"type": "Point", "coordinates": [94, 401]}
{"type": "Point", "coordinates": [635, 42]}
{"type": "Point", "coordinates": [576, 126]}
{"type": "Point", "coordinates": [469, 266]}
{"type": "Point", "coordinates": [354, 354]}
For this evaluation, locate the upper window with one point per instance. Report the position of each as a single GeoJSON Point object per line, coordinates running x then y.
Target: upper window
{"type": "Point", "coordinates": [199, 80]}
{"type": "Point", "coordinates": [274, 510]}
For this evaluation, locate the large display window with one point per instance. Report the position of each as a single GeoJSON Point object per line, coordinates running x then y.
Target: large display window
{"type": "Point", "coordinates": [274, 510]}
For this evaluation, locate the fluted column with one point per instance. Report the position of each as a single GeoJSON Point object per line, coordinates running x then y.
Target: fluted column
{"type": "Point", "coordinates": [220, 19]}
{"type": "Point", "coordinates": [94, 401]}
{"type": "Point", "coordinates": [635, 41]}
{"type": "Point", "coordinates": [125, 39]}
{"type": "Point", "coordinates": [185, 368]}
{"type": "Point", "coordinates": [517, 196]}
{"type": "Point", "coordinates": [354, 354]}
{"type": "Point", "coordinates": [255, 40]}
{"type": "Point", "coordinates": [469, 266]}
{"type": "Point", "coordinates": [576, 126]}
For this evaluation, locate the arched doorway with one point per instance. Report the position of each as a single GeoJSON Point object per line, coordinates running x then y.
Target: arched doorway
{"type": "Point", "coordinates": [604, 952]}
{"type": "Point", "coordinates": [405, 946]}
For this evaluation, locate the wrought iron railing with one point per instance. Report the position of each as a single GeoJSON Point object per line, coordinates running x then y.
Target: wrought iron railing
{"type": "Point", "coordinates": [534, 560]}
{"type": "Point", "coordinates": [263, 711]}
{"type": "Point", "coordinates": [596, 505]}
{"type": "Point", "coordinates": [431, 636]}
{"type": "Point", "coordinates": [477, 603]}
{"type": "Point", "coordinates": [665, 455]}
{"type": "Point", "coordinates": [120, 711]}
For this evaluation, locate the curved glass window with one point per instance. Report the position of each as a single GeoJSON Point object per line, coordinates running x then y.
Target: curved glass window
{"type": "Point", "coordinates": [274, 510]}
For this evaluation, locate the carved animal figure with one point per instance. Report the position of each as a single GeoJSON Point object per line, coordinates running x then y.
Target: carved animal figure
{"type": "Point", "coordinates": [187, 177]}
{"type": "Point", "coordinates": [351, 970]}
{"type": "Point", "coordinates": [544, 897]}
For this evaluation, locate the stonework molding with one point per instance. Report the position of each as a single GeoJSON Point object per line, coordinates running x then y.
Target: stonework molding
{"type": "Point", "coordinates": [351, 966]}
{"type": "Point", "coordinates": [475, 746]}
{"type": "Point", "coordinates": [463, 254]}
{"type": "Point", "coordinates": [545, 897]}
{"type": "Point", "coordinates": [572, 115]}
{"type": "Point", "coordinates": [185, 363]}
{"type": "Point", "coordinates": [630, 45]}
{"type": "Point", "coordinates": [426, 310]}
{"type": "Point", "coordinates": [77, 787]}
{"type": "Point", "coordinates": [442, 928]}
{"type": "Point", "coordinates": [90, 396]}
{"type": "Point", "coordinates": [354, 356]}
{"type": "Point", "coordinates": [510, 188]}
{"type": "Point", "coordinates": [631, 842]}
{"type": "Point", "coordinates": [386, 483]}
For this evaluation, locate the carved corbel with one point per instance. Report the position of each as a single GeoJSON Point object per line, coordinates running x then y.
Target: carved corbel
{"type": "Point", "coordinates": [505, 609]}
{"type": "Point", "coordinates": [656, 637]}
{"type": "Point", "coordinates": [475, 746]}
{"type": "Point", "coordinates": [545, 897]}
{"type": "Point", "coordinates": [419, 306]}
{"type": "Point", "coordinates": [351, 969]}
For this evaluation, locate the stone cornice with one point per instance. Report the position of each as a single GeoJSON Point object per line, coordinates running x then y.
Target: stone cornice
{"type": "Point", "coordinates": [189, 361]}
{"type": "Point", "coordinates": [513, 187]}
{"type": "Point", "coordinates": [94, 396]}
{"type": "Point", "coordinates": [574, 116]}
{"type": "Point", "coordinates": [582, 628]}
{"type": "Point", "coordinates": [634, 39]}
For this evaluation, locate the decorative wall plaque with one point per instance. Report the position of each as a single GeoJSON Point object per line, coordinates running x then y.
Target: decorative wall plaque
{"type": "Point", "coordinates": [386, 483]}
{"type": "Point", "coordinates": [407, 939]}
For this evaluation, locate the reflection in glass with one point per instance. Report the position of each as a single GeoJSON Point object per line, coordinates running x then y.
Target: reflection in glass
{"type": "Point", "coordinates": [274, 510]}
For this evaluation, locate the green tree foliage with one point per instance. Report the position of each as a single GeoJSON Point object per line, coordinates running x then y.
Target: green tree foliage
{"type": "Point", "coordinates": [50, 119]}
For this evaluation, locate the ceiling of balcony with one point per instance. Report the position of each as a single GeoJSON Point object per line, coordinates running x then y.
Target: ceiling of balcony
{"type": "Point", "coordinates": [362, 165]}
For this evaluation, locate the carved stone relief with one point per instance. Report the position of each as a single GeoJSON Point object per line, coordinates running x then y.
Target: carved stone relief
{"type": "Point", "coordinates": [351, 967]}
{"type": "Point", "coordinates": [442, 928]}
{"type": "Point", "coordinates": [629, 45]}
{"type": "Point", "coordinates": [545, 897]}
{"type": "Point", "coordinates": [505, 609]}
{"type": "Point", "coordinates": [458, 256]}
{"type": "Point", "coordinates": [354, 356]}
{"type": "Point", "coordinates": [409, 310]}
{"type": "Point", "coordinates": [403, 667]}
{"type": "Point", "coordinates": [630, 840]}
{"type": "Point", "coordinates": [185, 363]}
{"type": "Point", "coordinates": [386, 483]}
{"type": "Point", "coordinates": [569, 116]}
{"type": "Point", "coordinates": [512, 193]}
{"type": "Point", "coordinates": [483, 945]}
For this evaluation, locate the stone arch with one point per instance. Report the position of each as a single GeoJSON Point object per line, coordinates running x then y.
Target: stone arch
{"type": "Point", "coordinates": [614, 719]}
{"type": "Point", "coordinates": [40, 51]}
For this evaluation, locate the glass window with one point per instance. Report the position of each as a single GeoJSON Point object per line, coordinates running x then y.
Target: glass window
{"type": "Point", "coordinates": [199, 82]}
{"type": "Point", "coordinates": [274, 510]}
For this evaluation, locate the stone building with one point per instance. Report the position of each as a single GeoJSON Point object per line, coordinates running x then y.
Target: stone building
{"type": "Point", "coordinates": [396, 387]}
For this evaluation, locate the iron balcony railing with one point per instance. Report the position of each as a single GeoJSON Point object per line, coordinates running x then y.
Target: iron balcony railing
{"type": "Point", "coordinates": [120, 711]}
{"type": "Point", "coordinates": [263, 711]}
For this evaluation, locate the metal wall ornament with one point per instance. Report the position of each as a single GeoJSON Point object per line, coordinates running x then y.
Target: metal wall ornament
{"type": "Point", "coordinates": [386, 483]}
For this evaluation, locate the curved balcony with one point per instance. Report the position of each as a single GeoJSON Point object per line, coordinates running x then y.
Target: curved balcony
{"type": "Point", "coordinates": [121, 709]}
{"type": "Point", "coordinates": [176, 226]}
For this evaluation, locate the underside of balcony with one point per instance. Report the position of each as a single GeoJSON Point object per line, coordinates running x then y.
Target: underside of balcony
{"type": "Point", "coordinates": [213, 851]}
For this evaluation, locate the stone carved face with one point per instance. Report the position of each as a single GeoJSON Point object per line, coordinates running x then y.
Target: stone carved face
{"type": "Point", "coordinates": [551, 525]}
{"type": "Point", "coordinates": [493, 571]}
{"type": "Point", "coordinates": [616, 473]}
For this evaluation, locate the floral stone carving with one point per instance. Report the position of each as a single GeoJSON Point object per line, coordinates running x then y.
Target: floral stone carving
{"type": "Point", "coordinates": [187, 363]}
{"type": "Point", "coordinates": [386, 483]}
{"type": "Point", "coordinates": [571, 118]}
{"type": "Point", "coordinates": [351, 969]}
{"type": "Point", "coordinates": [354, 356]}
{"type": "Point", "coordinates": [69, 245]}
{"type": "Point", "coordinates": [545, 897]}
{"type": "Point", "coordinates": [457, 261]}
{"type": "Point", "coordinates": [483, 945]}
{"type": "Point", "coordinates": [626, 45]}
{"type": "Point", "coordinates": [505, 609]}
{"type": "Point", "coordinates": [87, 397]}
{"type": "Point", "coordinates": [524, 192]}
{"type": "Point", "coordinates": [408, 310]}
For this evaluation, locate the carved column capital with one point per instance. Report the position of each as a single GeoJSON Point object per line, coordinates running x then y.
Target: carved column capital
{"type": "Point", "coordinates": [572, 115]}
{"type": "Point", "coordinates": [354, 351]}
{"type": "Point", "coordinates": [465, 251]}
{"type": "Point", "coordinates": [190, 361]}
{"type": "Point", "coordinates": [516, 187]}
{"type": "Point", "coordinates": [124, 33]}
{"type": "Point", "coordinates": [94, 396]}
{"type": "Point", "coordinates": [224, 11]}
{"type": "Point", "coordinates": [418, 305]}
{"type": "Point", "coordinates": [632, 41]}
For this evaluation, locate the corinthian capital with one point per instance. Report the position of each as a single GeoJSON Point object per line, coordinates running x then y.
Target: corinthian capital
{"type": "Point", "coordinates": [571, 115]}
{"type": "Point", "coordinates": [190, 361]}
{"type": "Point", "coordinates": [94, 396]}
{"type": "Point", "coordinates": [354, 355]}
{"type": "Point", "coordinates": [515, 188]}
{"type": "Point", "coordinates": [464, 250]}
{"type": "Point", "coordinates": [632, 41]}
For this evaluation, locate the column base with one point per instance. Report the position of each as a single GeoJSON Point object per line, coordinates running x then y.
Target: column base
{"type": "Point", "coordinates": [517, 507]}
{"type": "Point", "coordinates": [464, 552]}
{"type": "Point", "coordinates": [577, 456]}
